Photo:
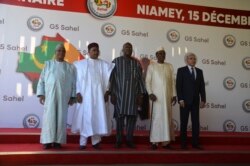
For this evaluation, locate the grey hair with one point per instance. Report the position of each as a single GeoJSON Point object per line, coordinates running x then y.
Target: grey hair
{"type": "Point", "coordinates": [61, 45]}
{"type": "Point", "coordinates": [188, 55]}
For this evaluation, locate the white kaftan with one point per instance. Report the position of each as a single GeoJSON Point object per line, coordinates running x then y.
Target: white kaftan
{"type": "Point", "coordinates": [58, 84]}
{"type": "Point", "coordinates": [90, 117]}
{"type": "Point", "coordinates": [160, 82]}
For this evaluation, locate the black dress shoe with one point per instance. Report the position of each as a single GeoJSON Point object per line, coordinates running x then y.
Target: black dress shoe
{"type": "Point", "coordinates": [131, 145]}
{"type": "Point", "coordinates": [118, 145]}
{"type": "Point", "coordinates": [198, 147]}
{"type": "Point", "coordinates": [57, 146]}
{"type": "Point", "coordinates": [184, 147]}
{"type": "Point", "coordinates": [82, 147]}
{"type": "Point", "coordinates": [47, 146]}
{"type": "Point", "coordinates": [154, 146]}
{"type": "Point", "coordinates": [97, 146]}
{"type": "Point", "coordinates": [167, 147]}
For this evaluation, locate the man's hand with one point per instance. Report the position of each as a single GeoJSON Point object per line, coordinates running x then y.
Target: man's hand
{"type": "Point", "coordinates": [78, 98]}
{"type": "Point", "coordinates": [139, 99]}
{"type": "Point", "coordinates": [42, 99]}
{"type": "Point", "coordinates": [202, 104]}
{"type": "Point", "coordinates": [173, 100]}
{"type": "Point", "coordinates": [152, 97]}
{"type": "Point", "coordinates": [113, 99]}
{"type": "Point", "coordinates": [71, 101]}
{"type": "Point", "coordinates": [106, 96]}
{"type": "Point", "coordinates": [182, 104]}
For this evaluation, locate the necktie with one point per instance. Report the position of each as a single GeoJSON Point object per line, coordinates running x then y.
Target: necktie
{"type": "Point", "coordinates": [192, 73]}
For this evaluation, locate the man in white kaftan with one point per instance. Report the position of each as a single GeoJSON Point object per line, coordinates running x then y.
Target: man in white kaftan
{"type": "Point", "coordinates": [56, 89]}
{"type": "Point", "coordinates": [160, 84]}
{"type": "Point", "coordinates": [90, 117]}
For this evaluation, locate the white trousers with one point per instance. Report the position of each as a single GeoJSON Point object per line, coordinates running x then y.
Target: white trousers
{"type": "Point", "coordinates": [94, 140]}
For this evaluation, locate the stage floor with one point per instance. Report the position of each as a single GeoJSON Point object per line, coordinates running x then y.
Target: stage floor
{"type": "Point", "coordinates": [21, 147]}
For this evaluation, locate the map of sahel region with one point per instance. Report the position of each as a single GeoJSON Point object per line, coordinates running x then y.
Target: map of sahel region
{"type": "Point", "coordinates": [31, 65]}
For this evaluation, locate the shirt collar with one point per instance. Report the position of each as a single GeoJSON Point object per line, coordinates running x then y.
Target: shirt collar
{"type": "Point", "coordinates": [190, 67]}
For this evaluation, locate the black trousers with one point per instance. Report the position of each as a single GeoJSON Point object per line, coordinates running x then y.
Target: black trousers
{"type": "Point", "coordinates": [184, 115]}
{"type": "Point", "coordinates": [130, 127]}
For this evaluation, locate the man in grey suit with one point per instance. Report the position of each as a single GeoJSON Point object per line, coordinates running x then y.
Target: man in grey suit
{"type": "Point", "coordinates": [191, 94]}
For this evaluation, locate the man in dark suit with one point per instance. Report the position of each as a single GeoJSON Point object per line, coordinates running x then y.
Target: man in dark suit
{"type": "Point", "coordinates": [191, 94]}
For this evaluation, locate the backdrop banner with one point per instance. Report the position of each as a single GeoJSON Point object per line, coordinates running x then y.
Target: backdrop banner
{"type": "Point", "coordinates": [220, 37]}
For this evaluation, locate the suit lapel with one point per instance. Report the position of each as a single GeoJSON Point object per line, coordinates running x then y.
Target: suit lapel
{"type": "Point", "coordinates": [197, 74]}
{"type": "Point", "coordinates": [187, 71]}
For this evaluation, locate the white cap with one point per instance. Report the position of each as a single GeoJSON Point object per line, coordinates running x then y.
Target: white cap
{"type": "Point", "coordinates": [160, 48]}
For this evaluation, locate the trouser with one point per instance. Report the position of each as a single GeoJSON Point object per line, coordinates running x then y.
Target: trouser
{"type": "Point", "coordinates": [184, 115]}
{"type": "Point", "coordinates": [94, 139]}
{"type": "Point", "coordinates": [130, 127]}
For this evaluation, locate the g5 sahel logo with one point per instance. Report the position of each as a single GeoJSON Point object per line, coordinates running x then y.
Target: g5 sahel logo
{"type": "Point", "coordinates": [246, 63]}
{"type": "Point", "coordinates": [35, 23]}
{"type": "Point", "coordinates": [31, 121]}
{"type": "Point", "coordinates": [229, 83]}
{"type": "Point", "coordinates": [229, 40]}
{"type": "Point", "coordinates": [31, 65]}
{"type": "Point", "coordinates": [229, 126]}
{"type": "Point", "coordinates": [108, 29]}
{"type": "Point", "coordinates": [246, 105]}
{"type": "Point", "coordinates": [102, 8]}
{"type": "Point", "coordinates": [173, 35]}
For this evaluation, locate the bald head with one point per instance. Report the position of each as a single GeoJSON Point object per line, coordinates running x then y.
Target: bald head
{"type": "Point", "coordinates": [60, 52]}
{"type": "Point", "coordinates": [60, 46]}
{"type": "Point", "coordinates": [127, 49]}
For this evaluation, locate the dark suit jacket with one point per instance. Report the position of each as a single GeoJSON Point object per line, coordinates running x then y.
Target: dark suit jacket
{"type": "Point", "coordinates": [189, 90]}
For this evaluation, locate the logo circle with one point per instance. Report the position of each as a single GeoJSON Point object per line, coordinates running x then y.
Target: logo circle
{"type": "Point", "coordinates": [229, 126]}
{"type": "Point", "coordinates": [31, 121]}
{"type": "Point", "coordinates": [229, 41]}
{"type": "Point", "coordinates": [229, 83]}
{"type": "Point", "coordinates": [35, 23]}
{"type": "Point", "coordinates": [246, 63]}
{"type": "Point", "coordinates": [173, 35]}
{"type": "Point", "coordinates": [102, 9]}
{"type": "Point", "coordinates": [246, 105]}
{"type": "Point", "coordinates": [108, 29]}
